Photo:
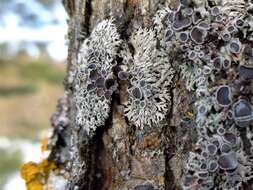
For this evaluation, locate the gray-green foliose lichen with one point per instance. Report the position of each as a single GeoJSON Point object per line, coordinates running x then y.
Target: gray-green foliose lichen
{"type": "Point", "coordinates": [95, 81]}
{"type": "Point", "coordinates": [151, 78]}
{"type": "Point", "coordinates": [215, 42]}
{"type": "Point", "coordinates": [148, 71]}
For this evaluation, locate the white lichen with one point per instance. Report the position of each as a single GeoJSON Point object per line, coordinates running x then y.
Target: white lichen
{"type": "Point", "coordinates": [94, 80]}
{"type": "Point", "coordinates": [151, 72]}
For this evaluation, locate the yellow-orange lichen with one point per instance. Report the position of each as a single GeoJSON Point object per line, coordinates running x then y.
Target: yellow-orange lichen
{"type": "Point", "coordinates": [190, 114]}
{"type": "Point", "coordinates": [29, 170]}
{"type": "Point", "coordinates": [35, 174]}
{"type": "Point", "coordinates": [34, 185]}
{"type": "Point", "coordinates": [44, 144]}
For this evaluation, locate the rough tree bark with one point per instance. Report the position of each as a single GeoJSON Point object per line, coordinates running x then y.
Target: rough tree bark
{"type": "Point", "coordinates": [119, 155]}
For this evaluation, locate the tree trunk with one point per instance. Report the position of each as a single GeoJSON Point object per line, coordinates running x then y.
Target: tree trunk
{"type": "Point", "coordinates": [119, 153]}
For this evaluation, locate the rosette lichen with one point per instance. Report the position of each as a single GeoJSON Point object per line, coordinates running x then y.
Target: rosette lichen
{"type": "Point", "coordinates": [151, 77]}
{"type": "Point", "coordinates": [95, 81]}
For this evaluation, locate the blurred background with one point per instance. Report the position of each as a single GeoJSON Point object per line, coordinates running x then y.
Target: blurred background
{"type": "Point", "coordinates": [32, 67]}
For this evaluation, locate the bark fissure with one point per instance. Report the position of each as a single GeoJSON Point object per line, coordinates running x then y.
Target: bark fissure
{"type": "Point", "coordinates": [88, 14]}
{"type": "Point", "coordinates": [169, 147]}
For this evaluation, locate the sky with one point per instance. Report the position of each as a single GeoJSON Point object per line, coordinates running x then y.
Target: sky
{"type": "Point", "coordinates": [50, 27]}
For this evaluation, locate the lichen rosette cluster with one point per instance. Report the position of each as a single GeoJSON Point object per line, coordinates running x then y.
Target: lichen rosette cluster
{"type": "Point", "coordinates": [214, 41]}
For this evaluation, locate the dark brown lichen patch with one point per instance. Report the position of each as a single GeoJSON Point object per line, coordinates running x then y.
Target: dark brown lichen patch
{"type": "Point", "coordinates": [246, 72]}
{"type": "Point", "coordinates": [223, 96]}
{"type": "Point", "coordinates": [198, 35]}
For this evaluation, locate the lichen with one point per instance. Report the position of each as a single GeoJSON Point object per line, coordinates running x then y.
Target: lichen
{"type": "Point", "coordinates": [94, 80]}
{"type": "Point", "coordinates": [44, 144]}
{"type": "Point", "coordinates": [212, 39]}
{"type": "Point", "coordinates": [36, 174]}
{"type": "Point", "coordinates": [60, 120]}
{"type": "Point", "coordinates": [151, 78]}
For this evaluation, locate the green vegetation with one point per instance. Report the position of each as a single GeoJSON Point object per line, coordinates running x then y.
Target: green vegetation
{"type": "Point", "coordinates": [18, 90]}
{"type": "Point", "coordinates": [39, 71]}
{"type": "Point", "coordinates": [10, 161]}
{"type": "Point", "coordinates": [29, 89]}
